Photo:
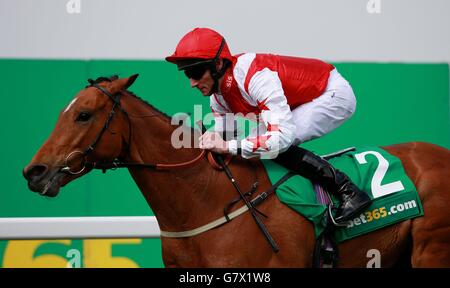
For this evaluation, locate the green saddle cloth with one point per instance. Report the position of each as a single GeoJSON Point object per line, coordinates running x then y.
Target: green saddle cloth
{"type": "Point", "coordinates": [374, 171]}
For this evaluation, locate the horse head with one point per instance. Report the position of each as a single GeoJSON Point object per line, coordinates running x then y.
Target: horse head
{"type": "Point", "coordinates": [93, 128]}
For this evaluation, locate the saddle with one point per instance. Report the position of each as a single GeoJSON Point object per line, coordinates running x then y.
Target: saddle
{"type": "Point", "coordinates": [372, 169]}
{"type": "Point", "coordinates": [380, 174]}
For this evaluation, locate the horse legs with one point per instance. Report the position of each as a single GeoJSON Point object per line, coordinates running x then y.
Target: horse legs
{"type": "Point", "coordinates": [432, 253]}
{"type": "Point", "coordinates": [431, 233]}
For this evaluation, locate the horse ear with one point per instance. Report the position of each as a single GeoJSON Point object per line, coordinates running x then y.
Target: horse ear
{"type": "Point", "coordinates": [131, 80]}
{"type": "Point", "coordinates": [123, 83]}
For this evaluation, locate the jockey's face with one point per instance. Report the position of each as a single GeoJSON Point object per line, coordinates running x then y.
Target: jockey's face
{"type": "Point", "coordinates": [205, 82]}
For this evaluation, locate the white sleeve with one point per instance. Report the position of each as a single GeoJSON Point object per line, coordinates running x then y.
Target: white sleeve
{"type": "Point", "coordinates": [266, 90]}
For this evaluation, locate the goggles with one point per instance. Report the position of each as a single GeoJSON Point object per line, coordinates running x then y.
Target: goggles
{"type": "Point", "coordinates": [196, 72]}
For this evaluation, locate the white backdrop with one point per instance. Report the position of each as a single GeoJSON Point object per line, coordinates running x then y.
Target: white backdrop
{"type": "Point", "coordinates": [333, 30]}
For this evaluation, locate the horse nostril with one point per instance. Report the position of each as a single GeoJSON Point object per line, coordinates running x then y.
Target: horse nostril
{"type": "Point", "coordinates": [35, 172]}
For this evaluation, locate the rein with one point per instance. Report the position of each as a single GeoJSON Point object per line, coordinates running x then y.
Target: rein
{"type": "Point", "coordinates": [116, 163]}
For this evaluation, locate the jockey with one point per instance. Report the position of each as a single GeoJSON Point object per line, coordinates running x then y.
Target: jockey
{"type": "Point", "coordinates": [297, 99]}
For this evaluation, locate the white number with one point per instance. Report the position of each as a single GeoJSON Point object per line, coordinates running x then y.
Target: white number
{"type": "Point", "coordinates": [378, 189]}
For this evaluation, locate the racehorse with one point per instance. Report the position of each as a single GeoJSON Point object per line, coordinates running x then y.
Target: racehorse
{"type": "Point", "coordinates": [105, 122]}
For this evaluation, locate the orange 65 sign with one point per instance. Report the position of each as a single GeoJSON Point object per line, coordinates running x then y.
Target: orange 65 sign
{"type": "Point", "coordinates": [69, 253]}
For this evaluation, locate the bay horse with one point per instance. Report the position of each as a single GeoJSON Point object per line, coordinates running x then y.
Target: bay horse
{"type": "Point", "coordinates": [195, 194]}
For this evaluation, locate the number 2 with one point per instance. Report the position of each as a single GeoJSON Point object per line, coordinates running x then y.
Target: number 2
{"type": "Point", "coordinates": [379, 189]}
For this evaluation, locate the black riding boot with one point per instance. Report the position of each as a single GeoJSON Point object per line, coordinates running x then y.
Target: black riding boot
{"type": "Point", "coordinates": [317, 169]}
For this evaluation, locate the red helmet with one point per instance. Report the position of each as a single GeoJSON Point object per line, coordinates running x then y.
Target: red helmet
{"type": "Point", "coordinates": [200, 43]}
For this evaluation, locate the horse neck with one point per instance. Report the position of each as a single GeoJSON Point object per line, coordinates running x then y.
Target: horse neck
{"type": "Point", "coordinates": [176, 196]}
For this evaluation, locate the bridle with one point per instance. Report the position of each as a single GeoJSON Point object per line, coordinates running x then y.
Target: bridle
{"type": "Point", "coordinates": [116, 163]}
{"type": "Point", "coordinates": [90, 148]}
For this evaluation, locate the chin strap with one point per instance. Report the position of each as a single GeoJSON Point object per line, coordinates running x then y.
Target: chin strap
{"type": "Point", "coordinates": [217, 74]}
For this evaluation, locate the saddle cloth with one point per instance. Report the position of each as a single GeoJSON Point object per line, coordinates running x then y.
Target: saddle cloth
{"type": "Point", "coordinates": [374, 171]}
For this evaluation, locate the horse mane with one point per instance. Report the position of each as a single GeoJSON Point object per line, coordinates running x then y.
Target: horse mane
{"type": "Point", "coordinates": [115, 77]}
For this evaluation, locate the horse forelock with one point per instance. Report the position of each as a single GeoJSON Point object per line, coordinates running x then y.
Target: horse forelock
{"type": "Point", "coordinates": [102, 79]}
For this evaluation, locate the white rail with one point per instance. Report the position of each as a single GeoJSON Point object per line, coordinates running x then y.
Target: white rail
{"type": "Point", "coordinates": [79, 227]}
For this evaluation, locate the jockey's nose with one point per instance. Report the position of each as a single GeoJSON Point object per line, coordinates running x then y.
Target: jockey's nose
{"type": "Point", "coordinates": [35, 172]}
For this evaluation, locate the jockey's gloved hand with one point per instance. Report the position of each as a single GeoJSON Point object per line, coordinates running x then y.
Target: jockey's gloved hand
{"type": "Point", "coordinates": [213, 141]}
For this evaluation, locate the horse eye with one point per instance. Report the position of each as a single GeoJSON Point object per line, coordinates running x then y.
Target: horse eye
{"type": "Point", "coordinates": [83, 117]}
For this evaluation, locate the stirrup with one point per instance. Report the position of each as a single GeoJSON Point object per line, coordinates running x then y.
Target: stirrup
{"type": "Point", "coordinates": [330, 214]}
